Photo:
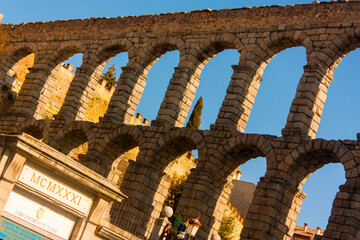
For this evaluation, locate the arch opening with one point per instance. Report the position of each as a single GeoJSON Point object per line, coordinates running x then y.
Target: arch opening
{"type": "Point", "coordinates": [106, 83]}
{"type": "Point", "coordinates": [121, 163]}
{"type": "Point", "coordinates": [174, 159]}
{"type": "Point", "coordinates": [42, 80]}
{"type": "Point", "coordinates": [157, 83]}
{"type": "Point", "coordinates": [234, 153]}
{"type": "Point", "coordinates": [73, 143]}
{"type": "Point", "coordinates": [273, 103]}
{"type": "Point", "coordinates": [22, 60]}
{"type": "Point", "coordinates": [121, 152]}
{"type": "Point", "coordinates": [37, 129]}
{"type": "Point", "coordinates": [244, 181]}
{"type": "Point", "coordinates": [63, 75]}
{"type": "Point", "coordinates": [215, 78]}
{"type": "Point", "coordinates": [179, 171]}
{"type": "Point", "coordinates": [339, 119]}
{"type": "Point", "coordinates": [16, 67]}
{"type": "Point", "coordinates": [320, 189]}
{"type": "Point", "coordinates": [154, 173]}
{"type": "Point", "coordinates": [125, 148]}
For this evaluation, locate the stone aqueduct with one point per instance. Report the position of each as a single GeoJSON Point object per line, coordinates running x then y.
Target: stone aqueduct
{"type": "Point", "coordinates": [328, 31]}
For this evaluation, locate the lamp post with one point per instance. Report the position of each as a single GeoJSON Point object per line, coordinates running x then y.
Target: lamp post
{"type": "Point", "coordinates": [215, 236]}
{"type": "Point", "coordinates": [167, 211]}
{"type": "Point", "coordinates": [162, 225]}
{"type": "Point", "coordinates": [194, 225]}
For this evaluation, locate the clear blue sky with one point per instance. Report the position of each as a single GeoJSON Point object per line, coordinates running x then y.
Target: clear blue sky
{"type": "Point", "coordinates": [341, 115]}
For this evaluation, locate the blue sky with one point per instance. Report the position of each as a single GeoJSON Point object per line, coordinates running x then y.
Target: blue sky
{"type": "Point", "coordinates": [341, 115]}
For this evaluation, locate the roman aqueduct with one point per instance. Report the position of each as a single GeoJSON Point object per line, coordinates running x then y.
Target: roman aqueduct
{"type": "Point", "coordinates": [328, 31]}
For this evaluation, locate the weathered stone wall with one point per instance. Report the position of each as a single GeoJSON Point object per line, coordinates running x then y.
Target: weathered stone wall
{"type": "Point", "coordinates": [62, 83]}
{"type": "Point", "coordinates": [206, 19]}
{"type": "Point", "coordinates": [328, 31]}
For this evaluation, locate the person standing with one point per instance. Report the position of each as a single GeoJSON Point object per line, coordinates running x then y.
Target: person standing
{"type": "Point", "coordinates": [175, 220]}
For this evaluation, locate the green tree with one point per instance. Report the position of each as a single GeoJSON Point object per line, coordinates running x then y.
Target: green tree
{"type": "Point", "coordinates": [110, 76]}
{"type": "Point", "coordinates": [195, 117]}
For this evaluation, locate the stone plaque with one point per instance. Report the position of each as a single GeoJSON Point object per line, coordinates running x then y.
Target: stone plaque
{"type": "Point", "coordinates": [54, 189]}
{"type": "Point", "coordinates": [39, 215]}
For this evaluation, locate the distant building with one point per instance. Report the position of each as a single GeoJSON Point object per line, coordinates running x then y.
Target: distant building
{"type": "Point", "coordinates": [306, 233]}
{"type": "Point", "coordinates": [241, 195]}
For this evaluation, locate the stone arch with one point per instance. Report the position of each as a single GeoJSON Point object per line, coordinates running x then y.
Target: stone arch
{"type": "Point", "coordinates": [150, 172]}
{"type": "Point", "coordinates": [39, 129]}
{"type": "Point", "coordinates": [134, 76]}
{"type": "Point", "coordinates": [12, 55]}
{"type": "Point", "coordinates": [307, 158]}
{"type": "Point", "coordinates": [339, 47]}
{"type": "Point", "coordinates": [134, 132]}
{"type": "Point", "coordinates": [243, 147]}
{"type": "Point", "coordinates": [302, 123]}
{"type": "Point", "coordinates": [64, 51]}
{"type": "Point", "coordinates": [115, 46]}
{"type": "Point", "coordinates": [174, 144]}
{"type": "Point", "coordinates": [135, 178]}
{"type": "Point", "coordinates": [42, 78]}
{"type": "Point", "coordinates": [212, 178]}
{"type": "Point", "coordinates": [281, 186]}
{"type": "Point", "coordinates": [155, 49]}
{"type": "Point", "coordinates": [245, 81]}
{"type": "Point", "coordinates": [96, 60]}
{"type": "Point", "coordinates": [186, 78]}
{"type": "Point", "coordinates": [72, 136]}
{"type": "Point", "coordinates": [259, 56]}
{"type": "Point", "coordinates": [116, 144]}
{"type": "Point", "coordinates": [208, 48]}
{"type": "Point", "coordinates": [127, 130]}
{"type": "Point", "coordinates": [86, 77]}
{"type": "Point", "coordinates": [311, 97]}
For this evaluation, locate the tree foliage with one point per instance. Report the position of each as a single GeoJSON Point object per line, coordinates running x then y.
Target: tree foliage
{"type": "Point", "coordinates": [110, 76]}
{"type": "Point", "coordinates": [229, 226]}
{"type": "Point", "coordinates": [195, 117]}
{"type": "Point", "coordinates": [175, 190]}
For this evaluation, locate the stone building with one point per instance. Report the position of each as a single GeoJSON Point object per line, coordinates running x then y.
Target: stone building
{"type": "Point", "coordinates": [37, 169]}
